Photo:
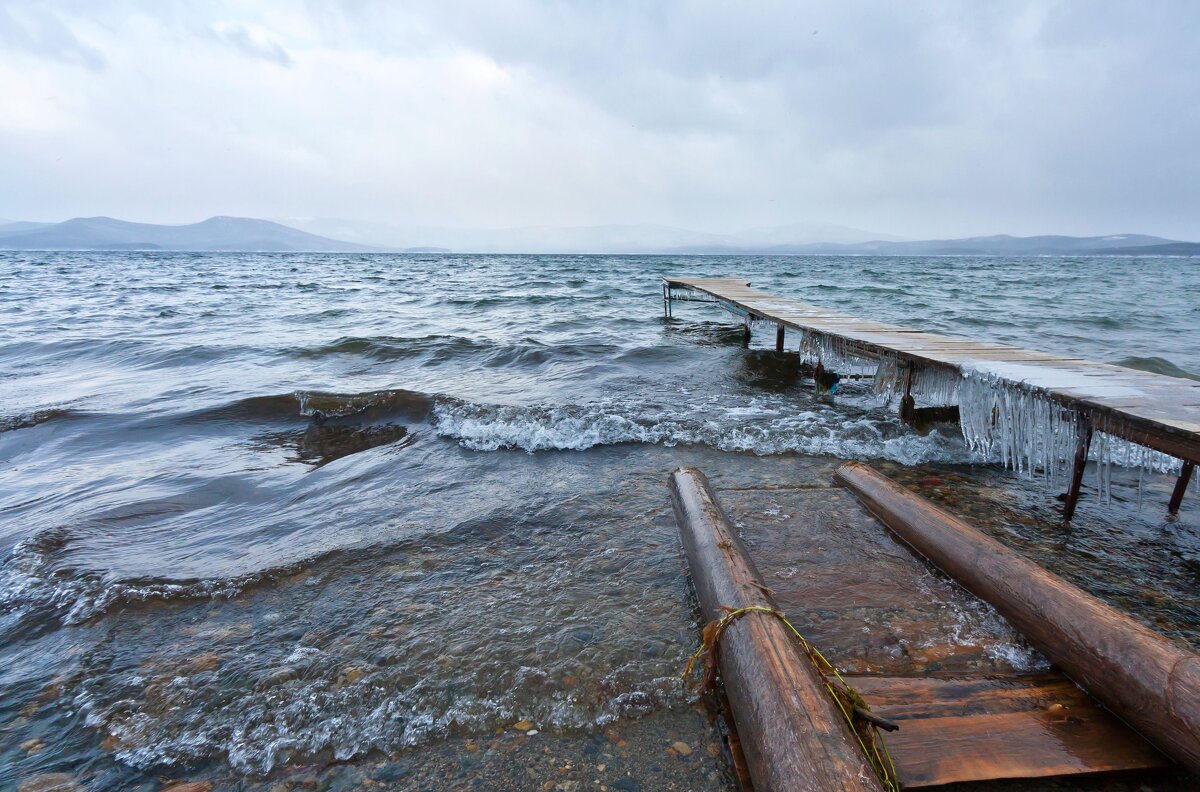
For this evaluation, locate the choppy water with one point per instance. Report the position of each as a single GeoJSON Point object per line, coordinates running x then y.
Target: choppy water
{"type": "Point", "coordinates": [260, 513]}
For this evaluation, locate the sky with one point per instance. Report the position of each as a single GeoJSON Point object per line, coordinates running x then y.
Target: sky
{"type": "Point", "coordinates": [914, 119]}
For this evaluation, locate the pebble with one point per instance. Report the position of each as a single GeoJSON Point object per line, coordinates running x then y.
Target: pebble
{"type": "Point", "coordinates": [201, 663]}
{"type": "Point", "coordinates": [50, 782]}
{"type": "Point", "coordinates": [189, 786]}
{"type": "Point", "coordinates": [523, 725]}
{"type": "Point", "coordinates": [682, 748]}
{"type": "Point", "coordinates": [32, 746]}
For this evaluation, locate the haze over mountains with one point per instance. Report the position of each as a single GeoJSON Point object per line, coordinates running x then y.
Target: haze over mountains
{"type": "Point", "coordinates": [331, 235]}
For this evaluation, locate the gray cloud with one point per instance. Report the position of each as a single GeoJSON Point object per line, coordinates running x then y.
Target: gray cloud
{"type": "Point", "coordinates": [922, 119]}
{"type": "Point", "coordinates": [43, 32]}
{"type": "Point", "coordinates": [246, 42]}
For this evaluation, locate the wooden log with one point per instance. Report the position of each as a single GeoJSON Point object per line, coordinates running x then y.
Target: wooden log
{"type": "Point", "coordinates": [792, 733]}
{"type": "Point", "coordinates": [1144, 679]}
{"type": "Point", "coordinates": [779, 337]}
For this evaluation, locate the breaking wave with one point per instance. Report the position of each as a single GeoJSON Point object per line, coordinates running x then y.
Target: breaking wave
{"type": "Point", "coordinates": [310, 708]}
{"type": "Point", "coordinates": [33, 580]}
{"type": "Point", "coordinates": [761, 427]}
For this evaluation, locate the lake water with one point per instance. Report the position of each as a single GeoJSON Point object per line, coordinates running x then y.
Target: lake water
{"type": "Point", "coordinates": [314, 519]}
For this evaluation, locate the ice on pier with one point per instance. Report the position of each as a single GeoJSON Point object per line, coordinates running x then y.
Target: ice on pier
{"type": "Point", "coordinates": [1015, 423]}
{"type": "Point", "coordinates": [836, 354]}
{"type": "Point", "coordinates": [933, 386]}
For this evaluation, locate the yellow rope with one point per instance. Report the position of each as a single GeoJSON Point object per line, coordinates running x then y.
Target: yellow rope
{"type": "Point", "coordinates": [846, 697]}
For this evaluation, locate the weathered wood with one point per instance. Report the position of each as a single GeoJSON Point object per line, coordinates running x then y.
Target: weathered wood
{"type": "Point", "coordinates": [1181, 485]}
{"type": "Point", "coordinates": [779, 333]}
{"type": "Point", "coordinates": [1154, 410]}
{"type": "Point", "coordinates": [791, 731]}
{"type": "Point", "coordinates": [1083, 443]}
{"type": "Point", "coordinates": [974, 728]}
{"type": "Point", "coordinates": [870, 605]}
{"type": "Point", "coordinates": [1147, 681]}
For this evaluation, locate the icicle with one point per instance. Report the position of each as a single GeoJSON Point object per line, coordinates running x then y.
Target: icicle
{"type": "Point", "coordinates": [836, 354]}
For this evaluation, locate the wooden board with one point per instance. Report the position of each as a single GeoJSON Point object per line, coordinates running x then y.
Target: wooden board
{"type": "Point", "coordinates": [1150, 409]}
{"type": "Point", "coordinates": [976, 728]}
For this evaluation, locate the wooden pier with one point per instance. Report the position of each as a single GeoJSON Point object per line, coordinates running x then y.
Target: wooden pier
{"type": "Point", "coordinates": [1152, 410]}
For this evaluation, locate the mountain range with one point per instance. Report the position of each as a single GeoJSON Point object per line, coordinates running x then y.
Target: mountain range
{"type": "Point", "coordinates": [331, 235]}
{"type": "Point", "coordinates": [213, 234]}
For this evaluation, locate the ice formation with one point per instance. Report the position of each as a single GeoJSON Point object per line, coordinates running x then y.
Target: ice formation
{"type": "Point", "coordinates": [1013, 423]}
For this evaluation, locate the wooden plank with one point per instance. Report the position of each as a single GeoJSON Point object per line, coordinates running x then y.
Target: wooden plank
{"type": "Point", "coordinates": [977, 728]}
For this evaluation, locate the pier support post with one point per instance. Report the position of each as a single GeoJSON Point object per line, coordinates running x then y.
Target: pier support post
{"type": "Point", "coordinates": [779, 338]}
{"type": "Point", "coordinates": [908, 405]}
{"type": "Point", "coordinates": [1185, 475]}
{"type": "Point", "coordinates": [746, 334]}
{"type": "Point", "coordinates": [1081, 454]}
{"type": "Point", "coordinates": [666, 301]}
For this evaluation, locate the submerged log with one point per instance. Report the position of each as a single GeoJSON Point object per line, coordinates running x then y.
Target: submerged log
{"type": "Point", "coordinates": [792, 733]}
{"type": "Point", "coordinates": [1147, 681]}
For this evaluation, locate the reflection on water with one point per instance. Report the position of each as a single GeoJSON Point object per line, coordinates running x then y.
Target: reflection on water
{"type": "Point", "coordinates": [374, 518]}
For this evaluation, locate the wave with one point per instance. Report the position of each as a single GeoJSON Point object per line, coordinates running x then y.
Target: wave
{"type": "Point", "coordinates": [320, 405]}
{"type": "Point", "coordinates": [435, 349]}
{"type": "Point", "coordinates": [307, 709]}
{"type": "Point", "coordinates": [760, 426]}
{"type": "Point", "coordinates": [1156, 365]}
{"type": "Point", "coordinates": [28, 420]}
{"type": "Point", "coordinates": [32, 580]}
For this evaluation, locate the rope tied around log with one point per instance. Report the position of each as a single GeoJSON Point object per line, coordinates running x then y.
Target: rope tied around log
{"type": "Point", "coordinates": [853, 707]}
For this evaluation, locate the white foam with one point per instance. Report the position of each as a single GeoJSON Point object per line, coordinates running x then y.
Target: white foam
{"type": "Point", "coordinates": [763, 426]}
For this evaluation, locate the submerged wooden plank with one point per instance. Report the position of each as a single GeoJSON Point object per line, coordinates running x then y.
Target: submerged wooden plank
{"type": "Point", "coordinates": [976, 728]}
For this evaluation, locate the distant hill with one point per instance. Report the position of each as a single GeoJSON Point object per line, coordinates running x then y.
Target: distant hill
{"type": "Point", "coordinates": [248, 234]}
{"type": "Point", "coordinates": [999, 245]}
{"type": "Point", "coordinates": [214, 234]}
{"type": "Point", "coordinates": [794, 238]}
{"type": "Point", "coordinates": [11, 227]}
{"type": "Point", "coordinates": [1169, 249]}
{"type": "Point", "coordinates": [604, 239]}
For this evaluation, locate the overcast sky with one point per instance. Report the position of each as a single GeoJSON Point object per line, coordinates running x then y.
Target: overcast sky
{"type": "Point", "coordinates": [915, 119]}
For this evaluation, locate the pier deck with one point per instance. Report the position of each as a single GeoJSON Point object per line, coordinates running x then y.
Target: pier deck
{"type": "Point", "coordinates": [1152, 410]}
